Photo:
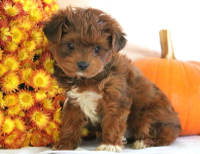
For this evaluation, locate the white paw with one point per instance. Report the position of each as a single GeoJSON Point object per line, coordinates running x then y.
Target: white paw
{"type": "Point", "coordinates": [110, 148]}
{"type": "Point", "coordinates": [139, 144]}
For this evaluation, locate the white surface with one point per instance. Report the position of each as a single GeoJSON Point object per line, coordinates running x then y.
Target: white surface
{"type": "Point", "coordinates": [183, 145]}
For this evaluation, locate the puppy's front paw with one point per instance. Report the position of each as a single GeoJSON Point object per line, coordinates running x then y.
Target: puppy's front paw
{"type": "Point", "coordinates": [111, 148]}
{"type": "Point", "coordinates": [139, 144]}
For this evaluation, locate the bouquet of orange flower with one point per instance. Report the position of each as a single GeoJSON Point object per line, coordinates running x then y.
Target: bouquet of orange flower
{"type": "Point", "coordinates": [29, 95]}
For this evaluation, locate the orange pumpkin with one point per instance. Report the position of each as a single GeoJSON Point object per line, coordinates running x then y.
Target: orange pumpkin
{"type": "Point", "coordinates": [179, 80]}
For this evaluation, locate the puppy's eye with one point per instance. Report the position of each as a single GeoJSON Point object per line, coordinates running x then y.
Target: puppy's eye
{"type": "Point", "coordinates": [97, 49]}
{"type": "Point", "coordinates": [70, 46]}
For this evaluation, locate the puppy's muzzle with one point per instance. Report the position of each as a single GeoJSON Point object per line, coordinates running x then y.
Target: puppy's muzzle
{"type": "Point", "coordinates": [82, 65]}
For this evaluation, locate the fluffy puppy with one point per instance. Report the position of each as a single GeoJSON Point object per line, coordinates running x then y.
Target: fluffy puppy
{"type": "Point", "coordinates": [104, 89]}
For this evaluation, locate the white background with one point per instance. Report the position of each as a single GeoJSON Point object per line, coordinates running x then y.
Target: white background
{"type": "Point", "coordinates": [142, 20]}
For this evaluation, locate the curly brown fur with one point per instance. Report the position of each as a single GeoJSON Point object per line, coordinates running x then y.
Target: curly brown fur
{"type": "Point", "coordinates": [111, 93]}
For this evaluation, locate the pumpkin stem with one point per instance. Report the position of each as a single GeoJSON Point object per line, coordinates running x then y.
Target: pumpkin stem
{"type": "Point", "coordinates": [166, 44]}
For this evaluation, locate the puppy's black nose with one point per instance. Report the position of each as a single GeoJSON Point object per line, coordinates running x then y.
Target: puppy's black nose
{"type": "Point", "coordinates": [82, 65]}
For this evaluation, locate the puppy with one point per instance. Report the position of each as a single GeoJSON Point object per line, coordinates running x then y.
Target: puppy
{"type": "Point", "coordinates": [104, 89]}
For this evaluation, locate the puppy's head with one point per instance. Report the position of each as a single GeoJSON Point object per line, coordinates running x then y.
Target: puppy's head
{"type": "Point", "coordinates": [83, 41]}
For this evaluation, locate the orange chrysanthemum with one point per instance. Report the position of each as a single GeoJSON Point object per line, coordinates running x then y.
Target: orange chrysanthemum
{"type": "Point", "coordinates": [56, 135]}
{"type": "Point", "coordinates": [52, 93]}
{"type": "Point", "coordinates": [26, 99]}
{"type": "Point", "coordinates": [23, 54]}
{"type": "Point", "coordinates": [26, 75]}
{"type": "Point", "coordinates": [33, 4]}
{"type": "Point", "coordinates": [47, 62]}
{"type": "Point", "coordinates": [45, 41]}
{"type": "Point", "coordinates": [29, 45]}
{"type": "Point", "coordinates": [21, 114]}
{"type": "Point", "coordinates": [8, 125]}
{"type": "Point", "coordinates": [1, 54]}
{"type": "Point", "coordinates": [27, 63]}
{"type": "Point", "coordinates": [50, 6]}
{"type": "Point", "coordinates": [36, 35]}
{"type": "Point", "coordinates": [4, 32]}
{"type": "Point", "coordinates": [53, 89]}
{"type": "Point", "coordinates": [10, 82]}
{"type": "Point", "coordinates": [48, 1]}
{"type": "Point", "coordinates": [1, 141]}
{"type": "Point", "coordinates": [11, 9]}
{"type": "Point", "coordinates": [14, 22]}
{"type": "Point", "coordinates": [1, 95]}
{"type": "Point", "coordinates": [59, 99]}
{"type": "Point", "coordinates": [40, 95]}
{"type": "Point", "coordinates": [51, 127]}
{"type": "Point", "coordinates": [61, 90]}
{"type": "Point", "coordinates": [36, 15]}
{"type": "Point", "coordinates": [20, 124]}
{"type": "Point", "coordinates": [47, 8]}
{"type": "Point", "coordinates": [40, 79]}
{"type": "Point", "coordinates": [46, 139]}
{"type": "Point", "coordinates": [11, 47]}
{"type": "Point", "coordinates": [37, 63]}
{"type": "Point", "coordinates": [25, 24]}
{"type": "Point", "coordinates": [55, 83]}
{"type": "Point", "coordinates": [38, 51]}
{"type": "Point", "coordinates": [14, 140]}
{"type": "Point", "coordinates": [57, 115]}
{"type": "Point", "coordinates": [3, 69]}
{"type": "Point", "coordinates": [20, 1]}
{"type": "Point", "coordinates": [17, 34]}
{"type": "Point", "coordinates": [26, 142]}
{"type": "Point", "coordinates": [28, 113]}
{"type": "Point", "coordinates": [11, 100]}
{"type": "Point", "coordinates": [40, 139]}
{"type": "Point", "coordinates": [36, 138]}
{"type": "Point", "coordinates": [13, 111]}
{"type": "Point", "coordinates": [38, 118]}
{"type": "Point", "coordinates": [2, 16]}
{"type": "Point", "coordinates": [1, 118]}
{"type": "Point", "coordinates": [47, 104]}
{"type": "Point", "coordinates": [2, 102]}
{"type": "Point", "coordinates": [11, 61]}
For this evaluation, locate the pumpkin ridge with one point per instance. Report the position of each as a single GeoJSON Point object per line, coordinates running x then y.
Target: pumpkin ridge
{"type": "Point", "coordinates": [185, 70]}
{"type": "Point", "coordinates": [198, 71]}
{"type": "Point", "coordinates": [156, 71]}
{"type": "Point", "coordinates": [170, 82]}
{"type": "Point", "coordinates": [195, 70]}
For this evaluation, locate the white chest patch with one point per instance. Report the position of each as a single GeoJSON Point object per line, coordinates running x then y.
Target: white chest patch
{"type": "Point", "coordinates": [87, 101]}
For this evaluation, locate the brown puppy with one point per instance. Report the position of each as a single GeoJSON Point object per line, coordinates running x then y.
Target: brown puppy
{"type": "Point", "coordinates": [105, 91]}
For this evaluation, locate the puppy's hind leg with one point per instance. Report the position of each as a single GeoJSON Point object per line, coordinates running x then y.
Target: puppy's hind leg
{"type": "Point", "coordinates": [165, 134]}
{"type": "Point", "coordinates": [149, 129]}
{"type": "Point", "coordinates": [159, 135]}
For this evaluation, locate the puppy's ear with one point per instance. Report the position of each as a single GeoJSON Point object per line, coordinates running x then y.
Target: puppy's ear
{"type": "Point", "coordinates": [118, 40]}
{"type": "Point", "coordinates": [53, 29]}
